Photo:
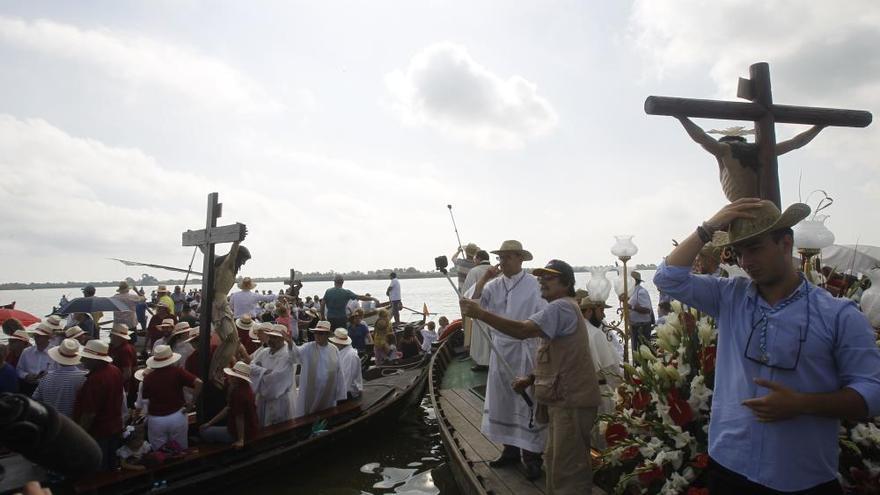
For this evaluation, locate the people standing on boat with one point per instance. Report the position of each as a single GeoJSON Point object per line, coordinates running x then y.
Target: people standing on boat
{"type": "Point", "coordinates": [60, 386]}
{"type": "Point", "coordinates": [179, 341]}
{"type": "Point", "coordinates": [358, 332]}
{"type": "Point", "coordinates": [87, 324]}
{"type": "Point", "coordinates": [99, 403]}
{"type": "Point", "coordinates": [463, 261]}
{"type": "Point", "coordinates": [641, 314]}
{"type": "Point", "coordinates": [165, 297]}
{"type": "Point", "coordinates": [335, 300]}
{"type": "Point", "coordinates": [321, 383]}
{"type": "Point", "coordinates": [89, 291]}
{"type": "Point", "coordinates": [17, 343]}
{"type": "Point", "coordinates": [164, 332]}
{"type": "Point", "coordinates": [476, 331]}
{"type": "Point", "coordinates": [77, 334]}
{"type": "Point", "coordinates": [240, 412]}
{"type": "Point", "coordinates": [159, 324]}
{"type": "Point", "coordinates": [792, 360]}
{"type": "Point", "coordinates": [244, 326]}
{"type": "Point", "coordinates": [563, 379]}
{"type": "Point", "coordinates": [179, 299]}
{"type": "Point", "coordinates": [125, 358]}
{"type": "Point", "coordinates": [605, 356]}
{"type": "Point", "coordinates": [393, 293]}
{"type": "Point", "coordinates": [246, 301]}
{"type": "Point", "coordinates": [382, 336]}
{"type": "Point", "coordinates": [129, 300]}
{"type": "Point", "coordinates": [8, 376]}
{"type": "Point", "coordinates": [272, 373]}
{"type": "Point", "coordinates": [163, 388]}
{"type": "Point", "coordinates": [189, 316]}
{"type": "Point", "coordinates": [429, 336]}
{"type": "Point", "coordinates": [140, 313]}
{"type": "Point", "coordinates": [284, 318]}
{"type": "Point", "coordinates": [507, 419]}
{"type": "Point", "coordinates": [349, 364]}
{"type": "Point", "coordinates": [34, 362]}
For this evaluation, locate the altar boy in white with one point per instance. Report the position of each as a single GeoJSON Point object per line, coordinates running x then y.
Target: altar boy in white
{"type": "Point", "coordinates": [272, 370]}
{"type": "Point", "coordinates": [321, 381]}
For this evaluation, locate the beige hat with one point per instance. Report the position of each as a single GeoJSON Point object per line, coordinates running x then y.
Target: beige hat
{"type": "Point", "coordinates": [123, 287]}
{"type": "Point", "coordinates": [322, 326]}
{"type": "Point", "coordinates": [239, 370]}
{"type": "Point", "coordinates": [96, 349]}
{"type": "Point", "coordinates": [180, 328]}
{"type": "Point", "coordinates": [139, 374]}
{"type": "Point", "coordinates": [471, 249]}
{"type": "Point", "coordinates": [21, 335]}
{"type": "Point", "coordinates": [245, 322]}
{"type": "Point", "coordinates": [41, 330]}
{"type": "Point", "coordinates": [53, 323]}
{"type": "Point", "coordinates": [167, 323]}
{"type": "Point", "coordinates": [340, 336]}
{"type": "Point", "coordinates": [246, 284]}
{"type": "Point", "coordinates": [193, 334]}
{"type": "Point", "coordinates": [74, 332]}
{"type": "Point", "coordinates": [67, 353]}
{"type": "Point", "coordinates": [587, 303]}
{"type": "Point", "coordinates": [276, 331]}
{"type": "Point", "coordinates": [512, 246]}
{"type": "Point", "coordinates": [162, 356]}
{"type": "Point", "coordinates": [121, 331]}
{"type": "Point", "coordinates": [767, 219]}
{"type": "Point", "coordinates": [256, 329]}
{"type": "Point", "coordinates": [161, 289]}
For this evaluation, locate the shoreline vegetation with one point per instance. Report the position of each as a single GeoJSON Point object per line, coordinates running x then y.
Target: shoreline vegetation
{"type": "Point", "coordinates": [148, 280]}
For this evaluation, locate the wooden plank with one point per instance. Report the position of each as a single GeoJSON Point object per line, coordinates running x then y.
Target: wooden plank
{"type": "Point", "coordinates": [472, 399]}
{"type": "Point", "coordinates": [226, 233]}
{"type": "Point", "coordinates": [482, 449]}
{"type": "Point", "coordinates": [473, 415]}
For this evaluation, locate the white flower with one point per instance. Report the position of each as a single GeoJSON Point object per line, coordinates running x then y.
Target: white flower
{"type": "Point", "coordinates": [706, 333]}
{"type": "Point", "coordinates": [700, 394]}
{"type": "Point", "coordinates": [866, 434]}
{"type": "Point", "coordinates": [684, 369]}
{"type": "Point", "coordinates": [674, 457]}
{"type": "Point", "coordinates": [646, 353]}
{"type": "Point", "coordinates": [683, 439]}
{"type": "Point", "coordinates": [689, 474]}
{"type": "Point", "coordinates": [672, 374]}
{"type": "Point", "coordinates": [650, 449]}
{"type": "Point", "coordinates": [674, 485]}
{"type": "Point", "coordinates": [667, 337]}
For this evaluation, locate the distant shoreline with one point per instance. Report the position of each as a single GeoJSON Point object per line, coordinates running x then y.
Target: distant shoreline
{"type": "Point", "coordinates": [308, 277]}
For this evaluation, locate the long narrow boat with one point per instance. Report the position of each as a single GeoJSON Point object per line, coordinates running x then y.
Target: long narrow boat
{"type": "Point", "coordinates": [457, 394]}
{"type": "Point", "coordinates": [387, 392]}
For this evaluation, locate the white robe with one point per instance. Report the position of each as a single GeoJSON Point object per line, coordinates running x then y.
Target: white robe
{"type": "Point", "coordinates": [321, 382]}
{"type": "Point", "coordinates": [479, 331]}
{"type": "Point", "coordinates": [272, 381]}
{"type": "Point", "coordinates": [607, 363]}
{"type": "Point", "coordinates": [352, 375]}
{"type": "Point", "coordinates": [506, 416]}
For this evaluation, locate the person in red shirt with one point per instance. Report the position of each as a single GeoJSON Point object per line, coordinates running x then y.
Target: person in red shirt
{"type": "Point", "coordinates": [163, 389]}
{"type": "Point", "coordinates": [157, 327]}
{"type": "Point", "coordinates": [244, 325]}
{"type": "Point", "coordinates": [98, 406]}
{"type": "Point", "coordinates": [240, 412]}
{"type": "Point", "coordinates": [17, 343]}
{"type": "Point", "coordinates": [125, 358]}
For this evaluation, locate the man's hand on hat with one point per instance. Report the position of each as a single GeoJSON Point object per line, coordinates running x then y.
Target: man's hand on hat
{"type": "Point", "coordinates": [738, 209]}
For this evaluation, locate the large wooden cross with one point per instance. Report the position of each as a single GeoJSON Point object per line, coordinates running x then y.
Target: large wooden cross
{"type": "Point", "coordinates": [206, 239]}
{"type": "Point", "coordinates": [764, 113]}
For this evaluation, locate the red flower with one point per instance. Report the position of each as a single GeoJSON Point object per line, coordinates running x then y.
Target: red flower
{"type": "Point", "coordinates": [648, 477]}
{"type": "Point", "coordinates": [679, 410]}
{"type": "Point", "coordinates": [615, 433]}
{"type": "Point", "coordinates": [640, 400]}
{"type": "Point", "coordinates": [697, 491]}
{"type": "Point", "coordinates": [629, 453]}
{"type": "Point", "coordinates": [689, 323]}
{"type": "Point", "coordinates": [707, 359]}
{"type": "Point", "coordinates": [701, 461]}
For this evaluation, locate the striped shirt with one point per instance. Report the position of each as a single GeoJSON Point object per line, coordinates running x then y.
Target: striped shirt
{"type": "Point", "coordinates": [59, 388]}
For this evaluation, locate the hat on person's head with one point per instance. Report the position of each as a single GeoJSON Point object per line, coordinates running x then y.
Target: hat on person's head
{"type": "Point", "coordinates": [161, 289]}
{"type": "Point", "coordinates": [340, 336]}
{"type": "Point", "coordinates": [52, 323]}
{"type": "Point", "coordinates": [276, 331]}
{"type": "Point", "coordinates": [767, 218]}
{"type": "Point", "coordinates": [67, 353]}
{"type": "Point", "coordinates": [88, 290]}
{"type": "Point", "coordinates": [167, 323]}
{"type": "Point", "coordinates": [123, 287]}
{"type": "Point", "coordinates": [587, 303]}
{"type": "Point", "coordinates": [21, 335]}
{"type": "Point", "coordinates": [163, 304]}
{"type": "Point", "coordinates": [255, 330]}
{"type": "Point", "coordinates": [194, 333]}
{"type": "Point", "coordinates": [338, 278]}
{"type": "Point", "coordinates": [556, 267]}
{"type": "Point", "coordinates": [121, 331]}
{"type": "Point", "coordinates": [471, 249]}
{"type": "Point", "coordinates": [239, 370]}
{"type": "Point", "coordinates": [162, 356]}
{"type": "Point", "coordinates": [246, 322]}
{"type": "Point", "coordinates": [322, 326]}
{"type": "Point", "coordinates": [180, 328]}
{"type": "Point", "coordinates": [97, 350]}
{"type": "Point", "coordinates": [40, 330]}
{"type": "Point", "coordinates": [74, 332]}
{"type": "Point", "coordinates": [636, 275]}
{"type": "Point", "coordinates": [141, 373]}
{"type": "Point", "coordinates": [513, 246]}
{"type": "Point", "coordinates": [246, 284]}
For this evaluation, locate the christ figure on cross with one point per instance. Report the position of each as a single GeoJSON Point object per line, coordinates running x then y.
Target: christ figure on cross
{"type": "Point", "coordinates": [226, 268]}
{"type": "Point", "coordinates": [738, 165]}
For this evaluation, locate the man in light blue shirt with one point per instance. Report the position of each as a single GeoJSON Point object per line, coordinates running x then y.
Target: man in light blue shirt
{"type": "Point", "coordinates": [792, 360]}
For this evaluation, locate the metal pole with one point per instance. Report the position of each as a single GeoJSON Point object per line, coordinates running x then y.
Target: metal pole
{"type": "Point", "coordinates": [456, 229]}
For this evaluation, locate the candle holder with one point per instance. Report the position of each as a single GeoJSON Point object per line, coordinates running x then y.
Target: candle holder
{"type": "Point", "coordinates": [625, 249]}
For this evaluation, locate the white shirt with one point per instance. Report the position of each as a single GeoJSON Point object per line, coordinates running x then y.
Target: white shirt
{"type": "Point", "coordinates": [352, 306]}
{"type": "Point", "coordinates": [129, 300]}
{"type": "Point", "coordinates": [350, 364]}
{"type": "Point", "coordinates": [641, 298]}
{"type": "Point", "coordinates": [247, 303]}
{"type": "Point", "coordinates": [428, 338]}
{"type": "Point", "coordinates": [474, 275]}
{"type": "Point", "coordinates": [33, 361]}
{"type": "Point", "coordinates": [394, 295]}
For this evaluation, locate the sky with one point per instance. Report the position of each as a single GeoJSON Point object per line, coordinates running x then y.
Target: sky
{"type": "Point", "coordinates": [339, 132]}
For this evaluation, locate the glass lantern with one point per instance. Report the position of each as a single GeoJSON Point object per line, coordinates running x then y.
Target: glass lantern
{"type": "Point", "coordinates": [624, 247]}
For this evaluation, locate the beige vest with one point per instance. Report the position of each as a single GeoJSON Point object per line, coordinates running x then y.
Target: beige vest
{"type": "Point", "coordinates": [564, 374]}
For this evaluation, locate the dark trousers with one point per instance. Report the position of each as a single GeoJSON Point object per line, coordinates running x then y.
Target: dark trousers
{"type": "Point", "coordinates": [641, 334]}
{"type": "Point", "coordinates": [723, 481]}
{"type": "Point", "coordinates": [338, 323]}
{"type": "Point", "coordinates": [108, 446]}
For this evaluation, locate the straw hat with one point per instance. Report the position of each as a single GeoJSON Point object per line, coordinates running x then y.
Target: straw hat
{"type": "Point", "coordinates": [276, 331]}
{"type": "Point", "coordinates": [322, 326]}
{"type": "Point", "coordinates": [161, 289]}
{"type": "Point", "coordinates": [52, 323]}
{"type": "Point", "coordinates": [193, 334]}
{"type": "Point", "coordinates": [123, 287]}
{"type": "Point", "coordinates": [636, 275]}
{"type": "Point", "coordinates": [97, 350]}
{"type": "Point", "coordinates": [246, 322]}
{"type": "Point", "coordinates": [239, 370]}
{"type": "Point", "coordinates": [255, 329]}
{"type": "Point", "coordinates": [67, 353]}
{"type": "Point", "coordinates": [180, 328]}
{"type": "Point", "coordinates": [139, 374]}
{"type": "Point", "coordinates": [340, 336]}
{"type": "Point", "coordinates": [21, 335]}
{"type": "Point", "coordinates": [162, 357]}
{"type": "Point", "coordinates": [73, 332]}
{"type": "Point", "coordinates": [513, 246]}
{"type": "Point", "coordinates": [121, 331]}
{"type": "Point", "coordinates": [167, 323]}
{"type": "Point", "coordinates": [246, 284]}
{"type": "Point", "coordinates": [40, 330]}
{"type": "Point", "coordinates": [471, 249]}
{"type": "Point", "coordinates": [587, 303]}
{"type": "Point", "coordinates": [767, 219]}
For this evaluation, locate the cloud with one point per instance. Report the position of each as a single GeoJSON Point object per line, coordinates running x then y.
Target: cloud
{"type": "Point", "coordinates": [143, 64]}
{"type": "Point", "coordinates": [445, 88]}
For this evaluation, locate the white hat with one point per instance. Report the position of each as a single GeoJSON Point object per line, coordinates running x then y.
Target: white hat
{"type": "Point", "coordinates": [121, 331]}
{"type": "Point", "coordinates": [322, 326]}
{"type": "Point", "coordinates": [245, 322]}
{"type": "Point", "coordinates": [52, 323]}
{"type": "Point", "coordinates": [67, 353]}
{"type": "Point", "coordinates": [74, 332]}
{"type": "Point", "coordinates": [340, 336]}
{"type": "Point", "coordinates": [21, 335]}
{"type": "Point", "coordinates": [41, 330]}
{"type": "Point", "coordinates": [246, 284]}
{"type": "Point", "coordinates": [166, 323]}
{"type": "Point", "coordinates": [239, 370]}
{"type": "Point", "coordinates": [276, 331]}
{"type": "Point", "coordinates": [98, 350]}
{"type": "Point", "coordinates": [162, 357]}
{"type": "Point", "coordinates": [139, 374]}
{"type": "Point", "coordinates": [161, 289]}
{"type": "Point", "coordinates": [182, 327]}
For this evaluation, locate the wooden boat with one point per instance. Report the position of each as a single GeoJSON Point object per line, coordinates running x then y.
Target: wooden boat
{"type": "Point", "coordinates": [457, 395]}
{"type": "Point", "coordinates": [387, 392]}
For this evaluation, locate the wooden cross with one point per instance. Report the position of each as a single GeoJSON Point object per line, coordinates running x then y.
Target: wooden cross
{"type": "Point", "coordinates": [764, 113]}
{"type": "Point", "coordinates": [206, 239]}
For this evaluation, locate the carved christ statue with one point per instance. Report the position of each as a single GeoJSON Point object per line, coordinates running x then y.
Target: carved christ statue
{"type": "Point", "coordinates": [225, 269]}
{"type": "Point", "coordinates": [738, 166]}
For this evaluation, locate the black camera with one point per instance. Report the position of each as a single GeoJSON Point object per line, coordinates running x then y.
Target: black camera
{"type": "Point", "coordinates": [441, 263]}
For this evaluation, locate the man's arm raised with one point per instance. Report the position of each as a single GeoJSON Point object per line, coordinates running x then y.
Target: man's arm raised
{"type": "Point", "coordinates": [517, 329]}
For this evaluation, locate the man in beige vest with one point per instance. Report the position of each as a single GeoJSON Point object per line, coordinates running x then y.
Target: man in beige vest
{"type": "Point", "coordinates": [564, 364]}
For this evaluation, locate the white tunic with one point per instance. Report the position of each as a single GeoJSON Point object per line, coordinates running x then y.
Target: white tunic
{"type": "Point", "coordinates": [352, 375]}
{"type": "Point", "coordinates": [607, 363]}
{"type": "Point", "coordinates": [479, 345]}
{"type": "Point", "coordinates": [321, 382]}
{"type": "Point", "coordinates": [506, 416]}
{"type": "Point", "coordinates": [272, 381]}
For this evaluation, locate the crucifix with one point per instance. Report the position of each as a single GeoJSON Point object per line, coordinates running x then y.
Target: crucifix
{"type": "Point", "coordinates": [749, 169]}
{"type": "Point", "coordinates": [218, 276]}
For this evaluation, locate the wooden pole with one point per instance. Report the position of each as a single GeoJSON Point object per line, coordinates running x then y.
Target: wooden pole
{"type": "Point", "coordinates": [765, 134]}
{"type": "Point", "coordinates": [736, 110]}
{"type": "Point", "coordinates": [627, 333]}
{"type": "Point", "coordinates": [214, 209]}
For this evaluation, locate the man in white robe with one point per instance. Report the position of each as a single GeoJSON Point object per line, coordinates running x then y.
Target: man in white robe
{"type": "Point", "coordinates": [272, 379]}
{"type": "Point", "coordinates": [606, 359]}
{"type": "Point", "coordinates": [479, 331]}
{"type": "Point", "coordinates": [321, 381]}
{"type": "Point", "coordinates": [507, 419]}
{"type": "Point", "coordinates": [349, 364]}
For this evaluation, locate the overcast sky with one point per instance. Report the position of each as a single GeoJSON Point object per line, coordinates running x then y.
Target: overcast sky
{"type": "Point", "coordinates": [339, 131]}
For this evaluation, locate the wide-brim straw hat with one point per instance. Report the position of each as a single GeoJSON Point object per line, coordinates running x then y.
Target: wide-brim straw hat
{"type": "Point", "coordinates": [162, 356]}
{"type": "Point", "coordinates": [239, 370]}
{"type": "Point", "coordinates": [121, 331]}
{"type": "Point", "coordinates": [246, 322]}
{"type": "Point", "coordinates": [123, 287]}
{"type": "Point", "coordinates": [194, 333]}
{"type": "Point", "coordinates": [587, 303]}
{"type": "Point", "coordinates": [322, 326]}
{"type": "Point", "coordinates": [40, 330]}
{"type": "Point", "coordinates": [67, 353]}
{"type": "Point", "coordinates": [53, 323]}
{"type": "Point", "coordinates": [21, 335]}
{"type": "Point", "coordinates": [340, 336]}
{"type": "Point", "coordinates": [767, 218]}
{"type": "Point", "coordinates": [276, 331]}
{"type": "Point", "coordinates": [246, 284]}
{"type": "Point", "coordinates": [514, 246]}
{"type": "Point", "coordinates": [180, 328]}
{"type": "Point", "coordinates": [74, 332]}
{"type": "Point", "coordinates": [139, 374]}
{"type": "Point", "coordinates": [166, 323]}
{"type": "Point", "coordinates": [97, 350]}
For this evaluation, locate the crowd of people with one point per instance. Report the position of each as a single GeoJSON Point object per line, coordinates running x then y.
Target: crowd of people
{"type": "Point", "coordinates": [296, 357]}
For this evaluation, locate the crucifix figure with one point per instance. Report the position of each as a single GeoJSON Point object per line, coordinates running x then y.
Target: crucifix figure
{"type": "Point", "coordinates": [218, 278]}
{"type": "Point", "coordinates": [750, 169]}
